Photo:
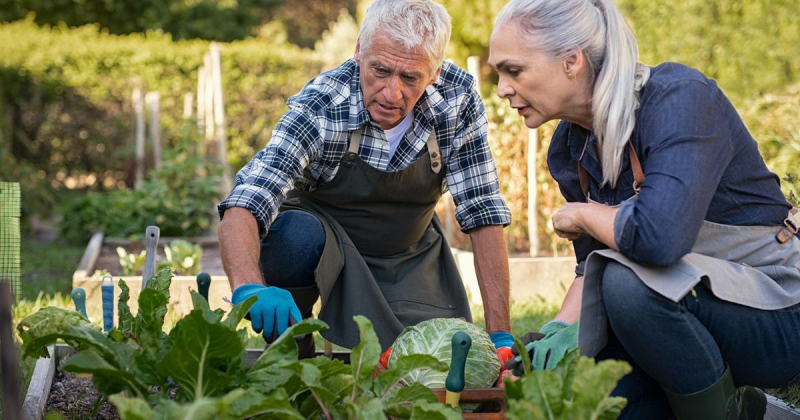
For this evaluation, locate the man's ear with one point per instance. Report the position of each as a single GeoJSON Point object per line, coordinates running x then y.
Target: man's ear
{"type": "Point", "coordinates": [356, 53]}
{"type": "Point", "coordinates": [435, 76]}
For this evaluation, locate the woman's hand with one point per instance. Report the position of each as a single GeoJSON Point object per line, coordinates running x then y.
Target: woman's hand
{"type": "Point", "coordinates": [567, 221]}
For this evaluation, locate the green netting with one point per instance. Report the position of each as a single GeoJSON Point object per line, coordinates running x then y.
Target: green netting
{"type": "Point", "coordinates": [9, 234]}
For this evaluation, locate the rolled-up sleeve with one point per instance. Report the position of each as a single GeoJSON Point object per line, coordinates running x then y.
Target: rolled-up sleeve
{"type": "Point", "coordinates": [261, 185]}
{"type": "Point", "coordinates": [685, 151]}
{"type": "Point", "coordinates": [472, 174]}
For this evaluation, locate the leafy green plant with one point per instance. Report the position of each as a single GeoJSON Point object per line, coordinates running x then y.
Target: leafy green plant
{"type": "Point", "coordinates": [183, 257]}
{"type": "Point", "coordinates": [794, 188]}
{"type": "Point", "coordinates": [130, 263]}
{"type": "Point", "coordinates": [199, 370]}
{"type": "Point", "coordinates": [578, 388]}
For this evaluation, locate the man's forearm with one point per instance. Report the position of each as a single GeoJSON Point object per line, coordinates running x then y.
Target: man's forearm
{"type": "Point", "coordinates": [239, 247]}
{"type": "Point", "coordinates": [491, 267]}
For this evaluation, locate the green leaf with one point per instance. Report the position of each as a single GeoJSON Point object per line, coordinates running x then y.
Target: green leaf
{"type": "Point", "coordinates": [200, 303]}
{"type": "Point", "coordinates": [402, 367]}
{"type": "Point", "coordinates": [44, 327]}
{"type": "Point", "coordinates": [592, 389]}
{"type": "Point", "coordinates": [365, 408]}
{"type": "Point", "coordinates": [124, 316]}
{"type": "Point", "coordinates": [523, 353]}
{"type": "Point", "coordinates": [255, 404]}
{"type": "Point", "coordinates": [108, 379]}
{"type": "Point", "coordinates": [149, 321]}
{"type": "Point", "coordinates": [365, 355]}
{"type": "Point", "coordinates": [132, 408]}
{"type": "Point", "coordinates": [198, 350]}
{"type": "Point", "coordinates": [238, 312]}
{"type": "Point", "coordinates": [284, 349]}
{"type": "Point", "coordinates": [400, 403]}
{"type": "Point", "coordinates": [161, 282]}
{"type": "Point", "coordinates": [434, 411]}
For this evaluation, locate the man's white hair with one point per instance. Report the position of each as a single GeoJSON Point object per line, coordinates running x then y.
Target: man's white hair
{"type": "Point", "coordinates": [412, 24]}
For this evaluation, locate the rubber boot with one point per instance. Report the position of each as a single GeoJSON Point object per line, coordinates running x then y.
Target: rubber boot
{"type": "Point", "coordinates": [720, 401]}
{"type": "Point", "coordinates": [305, 298]}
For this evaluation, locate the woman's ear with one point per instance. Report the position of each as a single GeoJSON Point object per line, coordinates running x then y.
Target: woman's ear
{"type": "Point", "coordinates": [574, 64]}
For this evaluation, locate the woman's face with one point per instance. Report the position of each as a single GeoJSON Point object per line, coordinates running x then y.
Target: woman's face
{"type": "Point", "coordinates": [534, 84]}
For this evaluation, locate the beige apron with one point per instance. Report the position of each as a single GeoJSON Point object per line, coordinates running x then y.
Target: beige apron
{"type": "Point", "coordinates": [385, 256]}
{"type": "Point", "coordinates": [746, 265]}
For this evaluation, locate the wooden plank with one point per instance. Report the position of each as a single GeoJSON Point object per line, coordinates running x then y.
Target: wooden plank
{"type": "Point", "coordinates": [138, 109]}
{"type": "Point", "coordinates": [39, 389]}
{"type": "Point", "coordinates": [8, 355]}
{"type": "Point", "coordinates": [151, 244]}
{"type": "Point", "coordinates": [779, 410]}
{"type": "Point", "coordinates": [89, 258]}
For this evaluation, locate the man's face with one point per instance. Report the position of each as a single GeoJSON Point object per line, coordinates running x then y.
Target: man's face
{"type": "Point", "coordinates": [393, 80]}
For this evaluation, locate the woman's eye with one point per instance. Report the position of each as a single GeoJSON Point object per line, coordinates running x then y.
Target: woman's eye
{"type": "Point", "coordinates": [513, 72]}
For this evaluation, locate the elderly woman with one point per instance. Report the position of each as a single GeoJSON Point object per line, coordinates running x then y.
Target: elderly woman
{"type": "Point", "coordinates": [688, 255]}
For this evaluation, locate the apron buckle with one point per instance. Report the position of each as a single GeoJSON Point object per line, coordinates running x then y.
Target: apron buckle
{"type": "Point", "coordinates": [791, 226]}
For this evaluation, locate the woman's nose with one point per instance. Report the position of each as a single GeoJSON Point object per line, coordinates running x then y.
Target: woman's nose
{"type": "Point", "coordinates": [504, 90]}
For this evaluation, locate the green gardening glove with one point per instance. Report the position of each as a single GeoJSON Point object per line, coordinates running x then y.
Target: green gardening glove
{"type": "Point", "coordinates": [559, 338]}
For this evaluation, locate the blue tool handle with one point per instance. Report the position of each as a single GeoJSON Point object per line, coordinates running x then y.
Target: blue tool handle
{"type": "Point", "coordinates": [79, 297]}
{"type": "Point", "coordinates": [108, 303]}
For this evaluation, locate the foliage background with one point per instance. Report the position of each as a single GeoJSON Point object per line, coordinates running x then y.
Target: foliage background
{"type": "Point", "coordinates": [65, 111]}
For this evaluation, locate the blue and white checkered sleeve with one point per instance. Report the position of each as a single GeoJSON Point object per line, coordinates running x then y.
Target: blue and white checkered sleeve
{"type": "Point", "coordinates": [261, 185]}
{"type": "Point", "coordinates": [472, 174]}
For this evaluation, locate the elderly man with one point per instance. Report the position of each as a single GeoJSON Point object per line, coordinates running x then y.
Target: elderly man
{"type": "Point", "coordinates": [340, 203]}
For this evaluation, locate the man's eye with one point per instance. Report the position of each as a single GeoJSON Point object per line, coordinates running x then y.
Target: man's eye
{"type": "Point", "coordinates": [381, 71]}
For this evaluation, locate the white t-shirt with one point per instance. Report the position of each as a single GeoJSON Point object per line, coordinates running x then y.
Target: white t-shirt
{"type": "Point", "coordinates": [394, 135]}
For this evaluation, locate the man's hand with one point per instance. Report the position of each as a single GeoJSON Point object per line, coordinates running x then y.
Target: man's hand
{"type": "Point", "coordinates": [273, 312]}
{"type": "Point", "coordinates": [503, 341]}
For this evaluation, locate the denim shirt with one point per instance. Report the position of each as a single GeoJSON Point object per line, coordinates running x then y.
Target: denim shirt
{"type": "Point", "coordinates": [700, 163]}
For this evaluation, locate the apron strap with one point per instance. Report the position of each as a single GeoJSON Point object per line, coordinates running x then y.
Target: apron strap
{"type": "Point", "coordinates": [636, 166]}
{"type": "Point", "coordinates": [791, 226]}
{"type": "Point", "coordinates": [433, 149]}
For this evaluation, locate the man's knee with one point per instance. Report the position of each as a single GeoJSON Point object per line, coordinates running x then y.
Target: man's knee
{"type": "Point", "coordinates": [292, 249]}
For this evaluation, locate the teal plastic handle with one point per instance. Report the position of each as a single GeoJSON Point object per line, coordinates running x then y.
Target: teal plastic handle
{"type": "Point", "coordinates": [79, 297]}
{"type": "Point", "coordinates": [203, 282]}
{"type": "Point", "coordinates": [455, 377]}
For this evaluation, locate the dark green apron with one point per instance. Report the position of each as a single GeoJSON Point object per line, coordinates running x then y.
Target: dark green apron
{"type": "Point", "coordinates": [385, 256]}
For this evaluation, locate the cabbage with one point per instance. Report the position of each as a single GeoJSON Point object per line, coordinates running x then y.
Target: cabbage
{"type": "Point", "coordinates": [433, 337]}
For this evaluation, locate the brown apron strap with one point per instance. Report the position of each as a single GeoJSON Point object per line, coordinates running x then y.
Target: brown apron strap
{"type": "Point", "coordinates": [636, 166]}
{"type": "Point", "coordinates": [433, 150]}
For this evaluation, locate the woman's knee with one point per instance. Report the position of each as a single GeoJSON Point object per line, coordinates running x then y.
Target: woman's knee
{"type": "Point", "coordinates": [624, 294]}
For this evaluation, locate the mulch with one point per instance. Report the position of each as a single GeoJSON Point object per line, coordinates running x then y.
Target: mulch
{"type": "Point", "coordinates": [75, 397]}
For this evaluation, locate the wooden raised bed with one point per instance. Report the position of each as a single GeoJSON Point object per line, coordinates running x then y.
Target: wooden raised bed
{"type": "Point", "coordinates": [101, 254]}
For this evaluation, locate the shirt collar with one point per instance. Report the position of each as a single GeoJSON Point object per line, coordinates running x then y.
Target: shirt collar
{"type": "Point", "coordinates": [429, 106]}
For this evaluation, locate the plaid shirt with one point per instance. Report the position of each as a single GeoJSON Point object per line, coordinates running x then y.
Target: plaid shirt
{"type": "Point", "coordinates": [311, 138]}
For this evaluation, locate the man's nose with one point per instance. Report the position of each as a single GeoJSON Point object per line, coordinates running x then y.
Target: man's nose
{"type": "Point", "coordinates": [392, 91]}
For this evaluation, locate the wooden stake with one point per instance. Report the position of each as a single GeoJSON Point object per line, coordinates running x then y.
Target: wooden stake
{"type": "Point", "coordinates": [138, 109]}
{"type": "Point", "coordinates": [533, 220]}
{"type": "Point", "coordinates": [188, 105]}
{"type": "Point", "coordinates": [153, 100]}
{"type": "Point", "coordinates": [219, 118]}
{"type": "Point", "coordinates": [201, 100]}
{"type": "Point", "coordinates": [474, 68]}
{"type": "Point", "coordinates": [209, 98]}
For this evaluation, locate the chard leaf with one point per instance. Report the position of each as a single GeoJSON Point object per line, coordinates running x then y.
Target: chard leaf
{"type": "Point", "coordinates": [44, 327]}
{"type": "Point", "coordinates": [238, 312]}
{"type": "Point", "coordinates": [402, 367]}
{"type": "Point", "coordinates": [434, 411]}
{"type": "Point", "coordinates": [366, 408]}
{"type": "Point", "coordinates": [124, 316]}
{"type": "Point", "coordinates": [400, 403]}
{"type": "Point", "coordinates": [544, 388]}
{"type": "Point", "coordinates": [365, 355]}
{"type": "Point", "coordinates": [149, 321]}
{"type": "Point", "coordinates": [284, 350]}
{"type": "Point", "coordinates": [206, 408]}
{"type": "Point", "coordinates": [132, 408]}
{"type": "Point", "coordinates": [108, 379]}
{"type": "Point", "coordinates": [592, 389]}
{"type": "Point", "coordinates": [198, 350]}
{"type": "Point", "coordinates": [200, 303]}
{"type": "Point", "coordinates": [160, 282]}
{"type": "Point", "coordinates": [254, 404]}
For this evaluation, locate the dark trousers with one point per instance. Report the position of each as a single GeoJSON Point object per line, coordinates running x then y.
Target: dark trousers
{"type": "Point", "coordinates": [291, 250]}
{"type": "Point", "coordinates": [683, 346]}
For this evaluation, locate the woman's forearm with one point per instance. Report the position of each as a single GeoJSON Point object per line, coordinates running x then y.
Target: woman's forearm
{"type": "Point", "coordinates": [597, 221]}
{"type": "Point", "coordinates": [571, 308]}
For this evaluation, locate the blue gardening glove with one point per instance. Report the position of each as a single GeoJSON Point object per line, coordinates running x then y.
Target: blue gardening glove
{"type": "Point", "coordinates": [559, 338]}
{"type": "Point", "coordinates": [502, 339]}
{"type": "Point", "coordinates": [273, 312]}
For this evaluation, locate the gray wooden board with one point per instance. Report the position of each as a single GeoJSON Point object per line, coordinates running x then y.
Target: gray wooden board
{"type": "Point", "coordinates": [39, 389]}
{"type": "Point", "coordinates": [778, 410]}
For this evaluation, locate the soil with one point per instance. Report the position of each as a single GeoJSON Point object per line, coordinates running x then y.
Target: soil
{"type": "Point", "coordinates": [109, 260]}
{"type": "Point", "coordinates": [75, 397]}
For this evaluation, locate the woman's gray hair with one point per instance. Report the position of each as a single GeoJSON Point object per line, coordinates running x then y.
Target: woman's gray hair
{"type": "Point", "coordinates": [410, 23]}
{"type": "Point", "coordinates": [596, 27]}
